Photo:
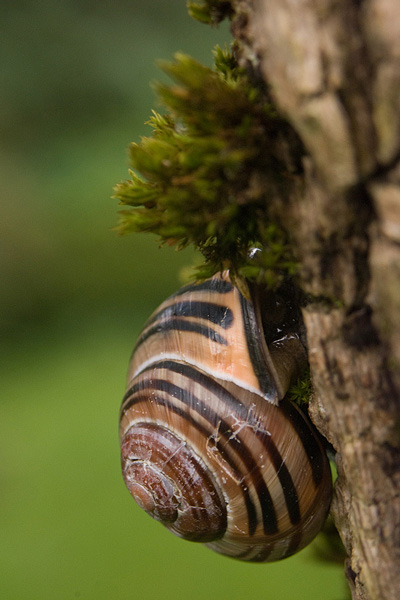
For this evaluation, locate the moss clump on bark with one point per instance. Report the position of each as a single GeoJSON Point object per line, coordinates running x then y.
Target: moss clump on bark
{"type": "Point", "coordinates": [210, 12]}
{"type": "Point", "coordinates": [200, 177]}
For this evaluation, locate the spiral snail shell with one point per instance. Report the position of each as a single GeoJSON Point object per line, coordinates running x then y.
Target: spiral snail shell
{"type": "Point", "coordinates": [209, 445]}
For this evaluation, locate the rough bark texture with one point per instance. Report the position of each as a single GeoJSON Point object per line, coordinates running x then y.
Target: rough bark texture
{"type": "Point", "coordinates": [333, 69]}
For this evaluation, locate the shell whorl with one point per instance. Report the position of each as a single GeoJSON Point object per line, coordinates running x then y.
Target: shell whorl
{"type": "Point", "coordinates": [171, 483]}
{"type": "Point", "coordinates": [205, 449]}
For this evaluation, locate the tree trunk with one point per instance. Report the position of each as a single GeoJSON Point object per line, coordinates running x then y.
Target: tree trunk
{"type": "Point", "coordinates": [333, 70]}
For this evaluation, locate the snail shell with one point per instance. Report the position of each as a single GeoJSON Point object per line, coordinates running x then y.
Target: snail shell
{"type": "Point", "coordinates": [209, 445]}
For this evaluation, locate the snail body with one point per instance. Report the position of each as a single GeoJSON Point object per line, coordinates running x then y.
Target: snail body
{"type": "Point", "coordinates": [209, 445]}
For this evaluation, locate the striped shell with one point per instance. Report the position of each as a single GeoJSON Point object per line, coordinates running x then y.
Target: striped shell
{"type": "Point", "coordinates": [209, 445]}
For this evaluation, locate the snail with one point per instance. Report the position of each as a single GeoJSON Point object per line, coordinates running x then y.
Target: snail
{"type": "Point", "coordinates": [210, 446]}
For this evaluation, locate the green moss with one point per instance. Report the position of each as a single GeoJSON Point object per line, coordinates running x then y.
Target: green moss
{"type": "Point", "coordinates": [300, 391]}
{"type": "Point", "coordinates": [210, 11]}
{"type": "Point", "coordinates": [200, 178]}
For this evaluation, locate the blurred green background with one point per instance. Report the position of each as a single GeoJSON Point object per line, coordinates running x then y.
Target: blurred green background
{"type": "Point", "coordinates": [75, 92]}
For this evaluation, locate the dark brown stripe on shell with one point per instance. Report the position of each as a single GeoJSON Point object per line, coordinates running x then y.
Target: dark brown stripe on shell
{"type": "Point", "coordinates": [286, 481]}
{"type": "Point", "coordinates": [307, 438]}
{"type": "Point", "coordinates": [235, 407]}
{"type": "Point", "coordinates": [294, 543]}
{"type": "Point", "coordinates": [254, 335]}
{"type": "Point", "coordinates": [215, 313]}
{"type": "Point", "coordinates": [261, 556]}
{"type": "Point", "coordinates": [182, 325]}
{"type": "Point", "coordinates": [223, 429]}
{"type": "Point", "coordinates": [219, 286]}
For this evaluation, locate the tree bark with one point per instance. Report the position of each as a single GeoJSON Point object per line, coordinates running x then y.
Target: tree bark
{"type": "Point", "coordinates": [333, 70]}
